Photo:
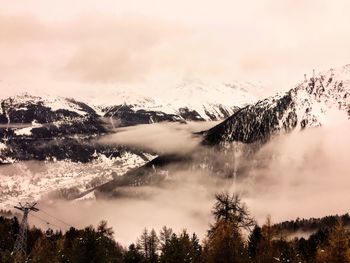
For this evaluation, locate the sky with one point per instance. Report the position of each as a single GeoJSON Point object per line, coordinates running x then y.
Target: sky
{"type": "Point", "coordinates": [90, 47]}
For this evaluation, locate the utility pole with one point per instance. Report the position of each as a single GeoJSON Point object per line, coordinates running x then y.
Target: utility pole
{"type": "Point", "coordinates": [20, 248]}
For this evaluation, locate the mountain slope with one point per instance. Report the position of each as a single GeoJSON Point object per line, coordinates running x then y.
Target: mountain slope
{"type": "Point", "coordinates": [314, 102]}
{"type": "Point", "coordinates": [189, 101]}
{"type": "Point", "coordinates": [50, 128]}
{"type": "Point", "coordinates": [36, 128]}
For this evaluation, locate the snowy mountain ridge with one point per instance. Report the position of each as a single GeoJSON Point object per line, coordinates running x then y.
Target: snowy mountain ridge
{"type": "Point", "coordinates": [28, 122]}
{"type": "Point", "coordinates": [59, 130]}
{"type": "Point", "coordinates": [207, 100]}
{"type": "Point", "coordinates": [320, 100]}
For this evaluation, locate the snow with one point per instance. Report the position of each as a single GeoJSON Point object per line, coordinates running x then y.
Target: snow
{"type": "Point", "coordinates": [89, 196]}
{"type": "Point", "coordinates": [205, 98]}
{"type": "Point", "coordinates": [322, 100]}
{"type": "Point", "coordinates": [55, 103]}
{"type": "Point", "coordinates": [29, 181]}
{"type": "Point", "coordinates": [194, 95]}
{"type": "Point", "coordinates": [2, 146]}
{"type": "Point", "coordinates": [62, 103]}
{"type": "Point", "coordinates": [327, 104]}
{"type": "Point", "coordinates": [27, 131]}
{"type": "Point", "coordinates": [24, 131]}
{"type": "Point", "coordinates": [329, 101]}
{"type": "Point", "coordinates": [32, 180]}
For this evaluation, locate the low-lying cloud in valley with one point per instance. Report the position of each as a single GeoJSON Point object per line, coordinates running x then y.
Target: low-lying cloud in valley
{"type": "Point", "coordinates": [139, 113]}
{"type": "Point", "coordinates": [162, 138]}
{"type": "Point", "coordinates": [301, 174]}
{"type": "Point", "coordinates": [307, 176]}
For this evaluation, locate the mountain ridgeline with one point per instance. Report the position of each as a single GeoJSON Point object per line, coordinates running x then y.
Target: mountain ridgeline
{"type": "Point", "coordinates": [312, 103]}
{"type": "Point", "coordinates": [56, 128]}
{"type": "Point", "coordinates": [50, 128]}
{"type": "Point", "coordinates": [33, 128]}
{"type": "Point", "coordinates": [309, 104]}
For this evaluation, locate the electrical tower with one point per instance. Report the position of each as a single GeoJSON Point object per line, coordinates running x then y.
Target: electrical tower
{"type": "Point", "coordinates": [20, 248]}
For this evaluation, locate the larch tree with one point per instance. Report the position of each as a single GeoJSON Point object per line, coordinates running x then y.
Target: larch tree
{"type": "Point", "coordinates": [224, 242]}
{"type": "Point", "coordinates": [338, 249]}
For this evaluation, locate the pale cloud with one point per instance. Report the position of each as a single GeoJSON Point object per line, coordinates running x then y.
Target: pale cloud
{"type": "Point", "coordinates": [307, 175]}
{"type": "Point", "coordinates": [162, 138]}
{"type": "Point", "coordinates": [296, 175]}
{"type": "Point", "coordinates": [93, 45]}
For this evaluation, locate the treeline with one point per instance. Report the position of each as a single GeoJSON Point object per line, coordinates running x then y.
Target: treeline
{"type": "Point", "coordinates": [233, 237]}
{"type": "Point", "coordinates": [311, 224]}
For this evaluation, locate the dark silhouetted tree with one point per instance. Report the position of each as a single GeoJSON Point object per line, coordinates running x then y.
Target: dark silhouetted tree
{"type": "Point", "coordinates": [338, 248]}
{"type": "Point", "coordinates": [149, 243]}
{"type": "Point", "coordinates": [224, 242]}
{"type": "Point", "coordinates": [133, 255]}
{"type": "Point", "coordinates": [254, 242]}
{"type": "Point", "coordinates": [229, 208]}
{"type": "Point", "coordinates": [181, 248]}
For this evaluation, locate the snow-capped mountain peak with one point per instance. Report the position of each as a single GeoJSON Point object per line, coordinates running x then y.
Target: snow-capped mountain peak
{"type": "Point", "coordinates": [198, 100]}
{"type": "Point", "coordinates": [322, 99]}
{"type": "Point", "coordinates": [324, 94]}
{"type": "Point", "coordinates": [20, 101]}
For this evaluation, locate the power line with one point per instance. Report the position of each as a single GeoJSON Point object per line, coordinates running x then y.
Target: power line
{"type": "Point", "coordinates": [46, 221]}
{"type": "Point", "coordinates": [20, 247]}
{"type": "Point", "coordinates": [46, 213]}
{"type": "Point", "coordinates": [54, 217]}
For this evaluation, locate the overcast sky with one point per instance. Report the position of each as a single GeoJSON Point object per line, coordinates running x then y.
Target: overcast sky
{"type": "Point", "coordinates": [91, 47]}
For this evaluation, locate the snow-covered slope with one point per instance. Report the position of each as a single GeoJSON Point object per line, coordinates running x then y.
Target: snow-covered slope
{"type": "Point", "coordinates": [27, 181]}
{"type": "Point", "coordinates": [60, 133]}
{"type": "Point", "coordinates": [51, 143]}
{"type": "Point", "coordinates": [46, 127]}
{"type": "Point", "coordinates": [320, 100]}
{"type": "Point", "coordinates": [50, 128]}
{"type": "Point", "coordinates": [212, 101]}
{"type": "Point", "coordinates": [24, 113]}
{"type": "Point", "coordinates": [191, 100]}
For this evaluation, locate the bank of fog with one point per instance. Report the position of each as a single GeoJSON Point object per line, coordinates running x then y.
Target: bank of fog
{"type": "Point", "coordinates": [302, 174]}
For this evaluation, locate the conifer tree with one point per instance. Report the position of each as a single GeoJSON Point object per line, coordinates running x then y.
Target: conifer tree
{"type": "Point", "coordinates": [149, 243]}
{"type": "Point", "coordinates": [142, 243]}
{"type": "Point", "coordinates": [165, 236]}
{"type": "Point", "coordinates": [254, 242]}
{"type": "Point", "coordinates": [338, 249]}
{"type": "Point", "coordinates": [266, 250]}
{"type": "Point", "coordinates": [196, 249]}
{"type": "Point", "coordinates": [181, 248]}
{"type": "Point", "coordinates": [224, 242]}
{"type": "Point", "coordinates": [45, 250]}
{"type": "Point", "coordinates": [133, 255]}
{"type": "Point", "coordinates": [153, 244]}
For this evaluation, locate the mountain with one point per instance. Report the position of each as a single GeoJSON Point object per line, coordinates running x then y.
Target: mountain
{"type": "Point", "coordinates": [50, 128]}
{"type": "Point", "coordinates": [61, 134]}
{"type": "Point", "coordinates": [65, 131]}
{"type": "Point", "coordinates": [55, 140]}
{"type": "Point", "coordinates": [316, 101]}
{"type": "Point", "coordinates": [189, 101]}
{"type": "Point", "coordinates": [56, 128]}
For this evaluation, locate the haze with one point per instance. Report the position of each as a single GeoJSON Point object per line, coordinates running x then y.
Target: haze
{"type": "Point", "coordinates": [91, 48]}
{"type": "Point", "coordinates": [296, 175]}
